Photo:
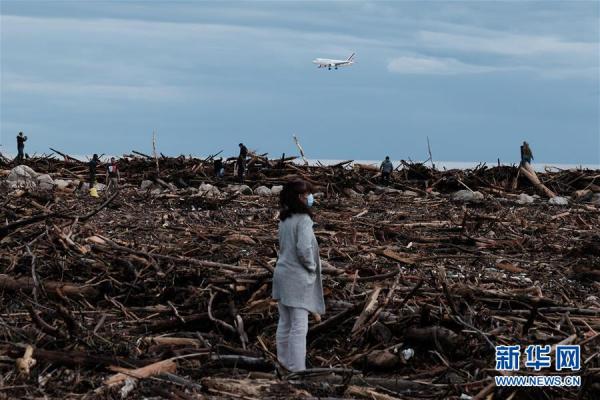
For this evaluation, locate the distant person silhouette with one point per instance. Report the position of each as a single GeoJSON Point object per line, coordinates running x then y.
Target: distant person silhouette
{"type": "Point", "coordinates": [242, 161]}
{"type": "Point", "coordinates": [93, 164]}
{"type": "Point", "coordinates": [526, 154]}
{"type": "Point", "coordinates": [386, 169]}
{"type": "Point", "coordinates": [21, 146]}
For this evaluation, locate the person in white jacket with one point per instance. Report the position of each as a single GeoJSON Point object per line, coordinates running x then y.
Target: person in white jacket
{"type": "Point", "coordinates": [297, 282]}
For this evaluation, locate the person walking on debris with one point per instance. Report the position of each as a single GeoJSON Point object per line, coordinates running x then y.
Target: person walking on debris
{"type": "Point", "coordinates": [21, 146]}
{"type": "Point", "coordinates": [113, 175]}
{"type": "Point", "coordinates": [526, 155]}
{"type": "Point", "coordinates": [297, 284]}
{"type": "Point", "coordinates": [93, 164]}
{"type": "Point", "coordinates": [386, 169]}
{"type": "Point", "coordinates": [219, 168]}
{"type": "Point", "coordinates": [241, 167]}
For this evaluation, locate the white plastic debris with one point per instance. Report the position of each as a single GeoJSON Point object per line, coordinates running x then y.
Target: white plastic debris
{"type": "Point", "coordinates": [525, 199]}
{"type": "Point", "coordinates": [407, 354]}
{"type": "Point", "coordinates": [558, 201]}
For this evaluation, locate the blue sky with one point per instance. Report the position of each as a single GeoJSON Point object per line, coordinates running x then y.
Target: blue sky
{"type": "Point", "coordinates": [476, 77]}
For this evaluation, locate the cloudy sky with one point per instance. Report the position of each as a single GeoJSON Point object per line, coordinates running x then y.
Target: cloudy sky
{"type": "Point", "coordinates": [476, 77]}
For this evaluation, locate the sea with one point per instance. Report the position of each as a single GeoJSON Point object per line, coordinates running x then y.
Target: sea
{"type": "Point", "coordinates": [440, 165]}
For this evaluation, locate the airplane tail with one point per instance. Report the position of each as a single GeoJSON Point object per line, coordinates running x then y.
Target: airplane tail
{"type": "Point", "coordinates": [351, 57]}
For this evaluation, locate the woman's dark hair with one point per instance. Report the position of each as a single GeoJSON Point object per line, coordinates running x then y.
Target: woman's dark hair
{"type": "Point", "coordinates": [289, 199]}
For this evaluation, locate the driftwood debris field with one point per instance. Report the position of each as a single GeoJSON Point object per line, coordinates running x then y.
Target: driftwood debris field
{"type": "Point", "coordinates": [162, 288]}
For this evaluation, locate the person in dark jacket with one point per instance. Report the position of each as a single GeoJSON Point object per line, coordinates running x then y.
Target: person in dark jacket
{"type": "Point", "coordinates": [386, 169]}
{"type": "Point", "coordinates": [93, 165]}
{"type": "Point", "coordinates": [526, 155]}
{"type": "Point", "coordinates": [242, 161]}
{"type": "Point", "coordinates": [21, 146]}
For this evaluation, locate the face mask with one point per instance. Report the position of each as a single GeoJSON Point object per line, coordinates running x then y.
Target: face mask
{"type": "Point", "coordinates": [310, 200]}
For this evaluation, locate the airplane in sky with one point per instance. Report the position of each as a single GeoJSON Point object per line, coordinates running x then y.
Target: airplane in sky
{"type": "Point", "coordinates": [329, 63]}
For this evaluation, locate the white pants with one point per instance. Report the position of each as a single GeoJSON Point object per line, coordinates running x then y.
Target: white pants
{"type": "Point", "coordinates": [291, 337]}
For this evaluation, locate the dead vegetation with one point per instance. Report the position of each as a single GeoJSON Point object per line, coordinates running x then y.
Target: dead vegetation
{"type": "Point", "coordinates": [166, 293]}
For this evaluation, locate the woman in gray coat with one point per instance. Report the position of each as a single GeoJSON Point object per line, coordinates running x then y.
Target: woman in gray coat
{"type": "Point", "coordinates": [297, 279]}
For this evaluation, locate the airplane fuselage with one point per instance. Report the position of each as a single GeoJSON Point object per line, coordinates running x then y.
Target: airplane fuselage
{"type": "Point", "coordinates": [331, 63]}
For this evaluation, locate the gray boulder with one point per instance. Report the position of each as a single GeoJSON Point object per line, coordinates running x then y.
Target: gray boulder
{"type": "Point", "coordinates": [62, 183]}
{"type": "Point", "coordinates": [275, 190]}
{"type": "Point", "coordinates": [22, 176]}
{"type": "Point", "coordinates": [244, 189]}
{"type": "Point", "coordinates": [45, 182]}
{"type": "Point", "coordinates": [263, 191]}
{"type": "Point", "coordinates": [146, 185]}
{"type": "Point", "coordinates": [209, 190]}
{"type": "Point", "coordinates": [467, 195]}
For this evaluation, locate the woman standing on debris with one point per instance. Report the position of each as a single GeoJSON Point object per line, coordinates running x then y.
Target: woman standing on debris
{"type": "Point", "coordinates": [297, 279]}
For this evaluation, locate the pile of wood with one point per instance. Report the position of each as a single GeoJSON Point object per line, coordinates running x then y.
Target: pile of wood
{"type": "Point", "coordinates": [141, 296]}
{"type": "Point", "coordinates": [186, 172]}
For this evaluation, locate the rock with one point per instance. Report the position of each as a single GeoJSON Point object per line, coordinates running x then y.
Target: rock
{"type": "Point", "coordinates": [275, 190]}
{"type": "Point", "coordinates": [583, 195]}
{"type": "Point", "coordinates": [263, 191]}
{"type": "Point", "coordinates": [209, 190]}
{"type": "Point", "coordinates": [85, 187]}
{"type": "Point", "coordinates": [22, 176]}
{"type": "Point", "coordinates": [467, 195]}
{"type": "Point", "coordinates": [410, 193]}
{"type": "Point", "coordinates": [156, 192]}
{"type": "Point", "coordinates": [62, 184]}
{"type": "Point", "coordinates": [525, 199]}
{"type": "Point", "coordinates": [100, 187]}
{"type": "Point", "coordinates": [45, 182]}
{"type": "Point", "coordinates": [244, 189]}
{"type": "Point", "coordinates": [146, 185]}
{"type": "Point", "coordinates": [558, 201]}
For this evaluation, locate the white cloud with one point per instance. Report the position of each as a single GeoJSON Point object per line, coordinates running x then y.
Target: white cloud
{"type": "Point", "coordinates": [90, 91]}
{"type": "Point", "coordinates": [497, 42]}
{"type": "Point", "coordinates": [435, 66]}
